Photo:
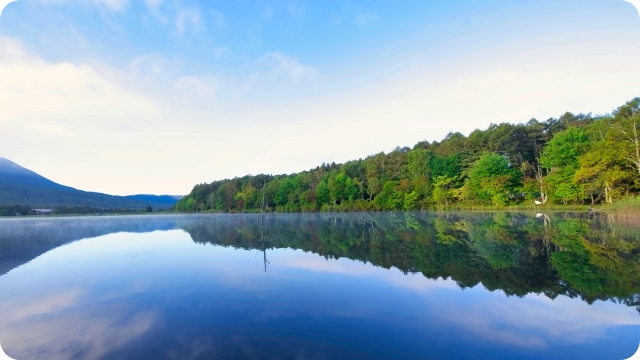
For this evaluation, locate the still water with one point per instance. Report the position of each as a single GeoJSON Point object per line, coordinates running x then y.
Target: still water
{"type": "Point", "coordinates": [320, 286]}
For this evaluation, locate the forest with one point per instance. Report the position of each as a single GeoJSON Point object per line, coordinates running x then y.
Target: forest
{"type": "Point", "coordinates": [574, 159]}
{"type": "Point", "coordinates": [13, 210]}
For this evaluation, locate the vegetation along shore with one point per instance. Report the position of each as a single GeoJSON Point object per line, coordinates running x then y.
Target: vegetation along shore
{"type": "Point", "coordinates": [574, 160]}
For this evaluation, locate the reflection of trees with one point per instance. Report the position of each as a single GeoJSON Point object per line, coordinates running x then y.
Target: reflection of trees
{"type": "Point", "coordinates": [578, 256]}
{"type": "Point", "coordinates": [597, 261]}
{"type": "Point", "coordinates": [590, 256]}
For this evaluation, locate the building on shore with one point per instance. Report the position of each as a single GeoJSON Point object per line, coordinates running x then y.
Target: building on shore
{"type": "Point", "coordinates": [43, 211]}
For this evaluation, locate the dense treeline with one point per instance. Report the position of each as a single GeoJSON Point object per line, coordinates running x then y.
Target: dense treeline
{"type": "Point", "coordinates": [71, 210]}
{"type": "Point", "coordinates": [22, 210]}
{"type": "Point", "coordinates": [583, 255]}
{"type": "Point", "coordinates": [574, 159]}
{"type": "Point", "coordinates": [12, 210]}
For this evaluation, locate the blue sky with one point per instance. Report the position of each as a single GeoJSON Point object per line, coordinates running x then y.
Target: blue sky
{"type": "Point", "coordinates": [126, 96]}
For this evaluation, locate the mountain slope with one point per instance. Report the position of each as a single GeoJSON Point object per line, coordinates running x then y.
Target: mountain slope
{"type": "Point", "coordinates": [23, 186]}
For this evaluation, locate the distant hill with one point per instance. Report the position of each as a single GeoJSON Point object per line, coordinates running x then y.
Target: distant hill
{"type": "Point", "coordinates": [25, 187]}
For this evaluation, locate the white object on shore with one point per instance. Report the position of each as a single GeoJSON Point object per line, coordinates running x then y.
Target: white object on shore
{"type": "Point", "coordinates": [537, 202]}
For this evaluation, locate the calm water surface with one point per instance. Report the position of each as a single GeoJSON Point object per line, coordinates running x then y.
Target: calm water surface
{"type": "Point", "coordinates": [320, 286]}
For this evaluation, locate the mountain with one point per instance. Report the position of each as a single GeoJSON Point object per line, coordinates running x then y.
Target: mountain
{"type": "Point", "coordinates": [23, 186]}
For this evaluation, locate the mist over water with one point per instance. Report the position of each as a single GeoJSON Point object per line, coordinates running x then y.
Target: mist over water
{"type": "Point", "coordinates": [353, 285]}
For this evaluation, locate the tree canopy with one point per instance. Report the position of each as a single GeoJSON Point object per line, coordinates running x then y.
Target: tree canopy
{"type": "Point", "coordinates": [572, 159]}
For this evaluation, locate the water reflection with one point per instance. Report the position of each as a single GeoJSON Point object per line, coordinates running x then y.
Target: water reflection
{"type": "Point", "coordinates": [336, 286]}
{"type": "Point", "coordinates": [578, 255]}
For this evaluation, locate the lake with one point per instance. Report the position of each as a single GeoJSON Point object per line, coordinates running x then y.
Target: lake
{"type": "Point", "coordinates": [474, 285]}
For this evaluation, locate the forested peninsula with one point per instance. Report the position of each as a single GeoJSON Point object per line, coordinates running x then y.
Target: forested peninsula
{"type": "Point", "coordinates": [573, 159]}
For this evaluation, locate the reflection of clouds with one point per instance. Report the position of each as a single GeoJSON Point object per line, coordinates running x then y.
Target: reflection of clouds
{"type": "Point", "coordinates": [247, 346]}
{"type": "Point", "coordinates": [416, 282]}
{"type": "Point", "coordinates": [532, 321]}
{"type": "Point", "coordinates": [191, 349]}
{"type": "Point", "coordinates": [536, 320]}
{"type": "Point", "coordinates": [57, 326]}
{"type": "Point", "coordinates": [49, 311]}
{"type": "Point", "coordinates": [20, 310]}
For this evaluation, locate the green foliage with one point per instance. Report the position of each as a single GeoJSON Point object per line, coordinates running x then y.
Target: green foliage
{"type": "Point", "coordinates": [418, 162]}
{"type": "Point", "coordinates": [12, 210]}
{"type": "Point", "coordinates": [573, 159]}
{"type": "Point", "coordinates": [565, 148]}
{"type": "Point", "coordinates": [492, 179]}
{"type": "Point", "coordinates": [445, 166]}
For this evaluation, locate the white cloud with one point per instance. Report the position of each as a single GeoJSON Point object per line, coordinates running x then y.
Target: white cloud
{"type": "Point", "coordinates": [60, 90]}
{"type": "Point", "coordinates": [194, 86]}
{"type": "Point", "coordinates": [154, 71]}
{"type": "Point", "coordinates": [188, 17]}
{"type": "Point", "coordinates": [148, 65]}
{"type": "Point", "coordinates": [117, 5]}
{"type": "Point", "coordinates": [287, 67]}
{"type": "Point", "coordinates": [153, 4]}
{"type": "Point", "coordinates": [114, 5]}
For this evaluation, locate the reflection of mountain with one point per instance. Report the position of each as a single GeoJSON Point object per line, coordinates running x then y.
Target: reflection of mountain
{"type": "Point", "coordinates": [575, 256]}
{"type": "Point", "coordinates": [22, 240]}
{"type": "Point", "coordinates": [22, 186]}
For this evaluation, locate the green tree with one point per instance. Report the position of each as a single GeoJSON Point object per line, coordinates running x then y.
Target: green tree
{"type": "Point", "coordinates": [442, 189]}
{"type": "Point", "coordinates": [337, 186]}
{"type": "Point", "coordinates": [322, 193]}
{"type": "Point", "coordinates": [561, 157]}
{"type": "Point", "coordinates": [492, 178]}
{"type": "Point", "coordinates": [410, 200]}
{"type": "Point", "coordinates": [418, 162]}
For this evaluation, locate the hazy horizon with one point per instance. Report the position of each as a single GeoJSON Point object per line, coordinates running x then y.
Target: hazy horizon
{"type": "Point", "coordinates": [152, 97]}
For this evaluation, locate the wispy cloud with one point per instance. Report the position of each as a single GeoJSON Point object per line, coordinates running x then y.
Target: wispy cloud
{"type": "Point", "coordinates": [66, 90]}
{"type": "Point", "coordinates": [283, 66]}
{"type": "Point", "coordinates": [114, 5]}
{"type": "Point", "coordinates": [154, 4]}
{"type": "Point", "coordinates": [149, 65]}
{"type": "Point", "coordinates": [186, 18]}
{"type": "Point", "coordinates": [194, 86]}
